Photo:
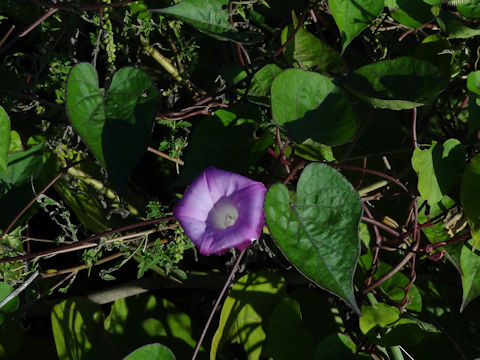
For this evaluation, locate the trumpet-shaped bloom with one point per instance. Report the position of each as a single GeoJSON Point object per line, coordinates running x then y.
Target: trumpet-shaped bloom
{"type": "Point", "coordinates": [222, 210]}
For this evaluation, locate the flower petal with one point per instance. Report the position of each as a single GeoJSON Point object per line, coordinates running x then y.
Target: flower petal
{"type": "Point", "coordinates": [214, 186]}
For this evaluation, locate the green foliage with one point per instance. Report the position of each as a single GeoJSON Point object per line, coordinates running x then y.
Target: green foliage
{"type": "Point", "coordinates": [388, 91]}
{"type": "Point", "coordinates": [352, 16]}
{"type": "Point", "coordinates": [309, 105]}
{"type": "Point", "coordinates": [317, 229]}
{"type": "Point", "coordinates": [4, 139]}
{"type": "Point", "coordinates": [250, 302]}
{"type": "Point", "coordinates": [151, 351]}
{"type": "Point", "coordinates": [437, 168]}
{"type": "Point", "coordinates": [117, 123]}
{"type": "Point", "coordinates": [469, 193]}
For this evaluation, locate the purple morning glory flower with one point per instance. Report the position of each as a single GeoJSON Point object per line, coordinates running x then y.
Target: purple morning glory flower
{"type": "Point", "coordinates": [221, 210]}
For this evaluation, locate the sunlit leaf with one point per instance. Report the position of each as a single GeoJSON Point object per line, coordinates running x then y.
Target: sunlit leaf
{"type": "Point", "coordinates": [308, 52]}
{"type": "Point", "coordinates": [470, 263]}
{"type": "Point", "coordinates": [4, 139]}
{"type": "Point", "coordinates": [210, 17]}
{"type": "Point", "coordinates": [250, 302]}
{"type": "Point", "coordinates": [136, 320]}
{"type": "Point", "coordinates": [77, 326]}
{"type": "Point", "coordinates": [470, 198]}
{"type": "Point", "coordinates": [353, 16]}
{"type": "Point", "coordinates": [379, 315]}
{"type": "Point", "coordinates": [317, 229]}
{"type": "Point", "coordinates": [438, 168]}
{"type": "Point", "coordinates": [309, 105]}
{"type": "Point", "coordinates": [151, 352]}
{"type": "Point", "coordinates": [401, 83]}
{"type": "Point", "coordinates": [116, 123]}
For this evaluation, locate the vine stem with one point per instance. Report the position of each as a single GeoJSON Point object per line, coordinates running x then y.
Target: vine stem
{"type": "Point", "coordinates": [414, 127]}
{"type": "Point", "coordinates": [78, 244]}
{"type": "Point", "coordinates": [217, 303]}
{"type": "Point", "coordinates": [369, 171]}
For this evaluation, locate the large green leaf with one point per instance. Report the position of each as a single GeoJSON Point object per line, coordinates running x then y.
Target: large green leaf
{"type": "Point", "coordinates": [151, 352]}
{"type": "Point", "coordinates": [401, 83]}
{"type": "Point", "coordinates": [4, 139]}
{"type": "Point", "coordinates": [470, 264]}
{"type": "Point", "coordinates": [210, 17]}
{"type": "Point", "coordinates": [309, 105]}
{"type": "Point", "coordinates": [284, 329]}
{"type": "Point", "coordinates": [77, 326]}
{"type": "Point", "coordinates": [438, 168]}
{"type": "Point", "coordinates": [352, 16]}
{"type": "Point", "coordinates": [136, 320]}
{"type": "Point", "coordinates": [250, 301]}
{"type": "Point", "coordinates": [309, 52]}
{"type": "Point", "coordinates": [116, 123]}
{"type": "Point", "coordinates": [317, 229]}
{"type": "Point", "coordinates": [470, 197]}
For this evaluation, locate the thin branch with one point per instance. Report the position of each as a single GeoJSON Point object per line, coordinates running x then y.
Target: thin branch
{"type": "Point", "coordinates": [217, 303]}
{"type": "Point", "coordinates": [88, 7]}
{"type": "Point", "coordinates": [373, 172]}
{"type": "Point", "coordinates": [165, 156]}
{"type": "Point", "coordinates": [414, 127]}
{"type": "Point", "coordinates": [90, 240]}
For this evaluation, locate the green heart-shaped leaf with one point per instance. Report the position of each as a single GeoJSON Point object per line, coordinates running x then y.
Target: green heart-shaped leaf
{"type": "Point", "coordinates": [317, 229]}
{"type": "Point", "coordinates": [117, 123]}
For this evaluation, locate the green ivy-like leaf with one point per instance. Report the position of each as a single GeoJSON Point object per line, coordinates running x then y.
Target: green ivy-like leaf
{"type": "Point", "coordinates": [309, 105]}
{"type": "Point", "coordinates": [210, 17]}
{"type": "Point", "coordinates": [438, 168]}
{"type": "Point", "coordinates": [309, 52]}
{"type": "Point", "coordinates": [317, 229]}
{"type": "Point", "coordinates": [470, 198]}
{"type": "Point", "coordinates": [151, 352]}
{"type": "Point", "coordinates": [377, 315]}
{"type": "Point", "coordinates": [117, 123]}
{"type": "Point", "coordinates": [4, 139]}
{"type": "Point", "coordinates": [251, 300]}
{"type": "Point", "coordinates": [401, 83]}
{"type": "Point", "coordinates": [470, 264]}
{"type": "Point", "coordinates": [352, 16]}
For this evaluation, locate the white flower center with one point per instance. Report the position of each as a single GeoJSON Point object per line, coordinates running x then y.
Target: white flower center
{"type": "Point", "coordinates": [224, 214]}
